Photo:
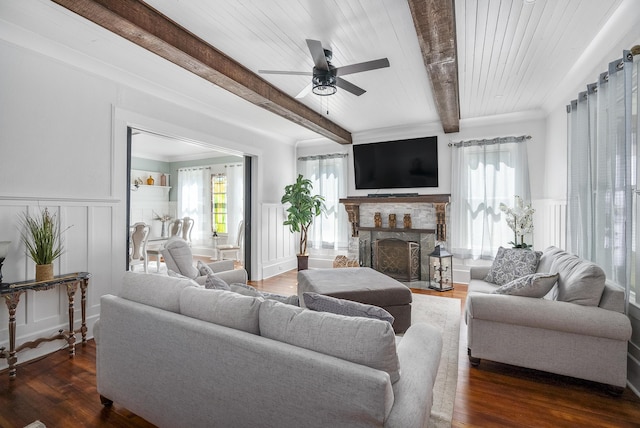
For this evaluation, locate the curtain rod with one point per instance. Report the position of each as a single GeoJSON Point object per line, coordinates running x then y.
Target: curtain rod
{"type": "Point", "coordinates": [320, 157]}
{"type": "Point", "coordinates": [483, 142]}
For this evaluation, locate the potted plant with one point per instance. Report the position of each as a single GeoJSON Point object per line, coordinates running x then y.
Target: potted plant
{"type": "Point", "coordinates": [303, 208]}
{"type": "Point", "coordinates": [520, 220]}
{"type": "Point", "coordinates": [41, 236]}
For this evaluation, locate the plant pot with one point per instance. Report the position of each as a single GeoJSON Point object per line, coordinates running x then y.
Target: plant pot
{"type": "Point", "coordinates": [303, 262]}
{"type": "Point", "coordinates": [44, 272]}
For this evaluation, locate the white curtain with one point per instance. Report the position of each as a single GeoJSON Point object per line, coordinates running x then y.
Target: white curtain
{"type": "Point", "coordinates": [328, 173]}
{"type": "Point", "coordinates": [194, 200]}
{"type": "Point", "coordinates": [601, 179]}
{"type": "Point", "coordinates": [486, 173]}
{"type": "Point", "coordinates": [235, 200]}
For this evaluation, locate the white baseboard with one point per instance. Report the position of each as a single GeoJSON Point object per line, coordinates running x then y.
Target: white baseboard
{"type": "Point", "coordinates": [278, 267]}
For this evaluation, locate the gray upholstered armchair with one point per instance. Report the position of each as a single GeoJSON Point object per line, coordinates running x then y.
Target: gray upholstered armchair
{"type": "Point", "coordinates": [178, 257]}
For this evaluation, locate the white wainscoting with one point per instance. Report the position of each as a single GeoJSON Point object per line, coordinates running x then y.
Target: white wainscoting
{"type": "Point", "coordinates": [549, 223]}
{"type": "Point", "coordinates": [89, 247]}
{"type": "Point", "coordinates": [278, 243]}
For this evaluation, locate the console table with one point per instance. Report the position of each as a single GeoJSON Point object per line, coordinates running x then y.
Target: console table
{"type": "Point", "coordinates": [11, 293]}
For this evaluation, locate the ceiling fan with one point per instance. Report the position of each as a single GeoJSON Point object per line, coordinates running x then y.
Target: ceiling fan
{"type": "Point", "coordinates": [325, 77]}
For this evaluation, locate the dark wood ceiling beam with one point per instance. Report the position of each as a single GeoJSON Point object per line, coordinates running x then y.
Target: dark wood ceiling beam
{"type": "Point", "coordinates": [146, 27]}
{"type": "Point", "coordinates": [435, 23]}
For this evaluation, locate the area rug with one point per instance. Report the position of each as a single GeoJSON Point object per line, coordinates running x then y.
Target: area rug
{"type": "Point", "coordinates": [444, 314]}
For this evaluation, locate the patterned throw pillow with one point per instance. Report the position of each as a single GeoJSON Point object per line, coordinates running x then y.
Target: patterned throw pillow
{"type": "Point", "coordinates": [535, 285]}
{"type": "Point", "coordinates": [216, 283]}
{"type": "Point", "coordinates": [203, 269]}
{"type": "Point", "coordinates": [322, 303]}
{"type": "Point", "coordinates": [512, 263]}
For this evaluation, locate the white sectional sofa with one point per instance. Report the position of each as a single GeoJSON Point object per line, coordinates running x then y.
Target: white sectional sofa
{"type": "Point", "coordinates": [180, 355]}
{"type": "Point", "coordinates": [579, 329]}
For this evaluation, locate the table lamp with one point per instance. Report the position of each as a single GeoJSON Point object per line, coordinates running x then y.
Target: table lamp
{"type": "Point", "coordinates": [4, 250]}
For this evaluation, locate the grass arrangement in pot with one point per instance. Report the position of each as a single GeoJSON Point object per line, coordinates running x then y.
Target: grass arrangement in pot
{"type": "Point", "coordinates": [303, 208]}
{"type": "Point", "coordinates": [42, 238]}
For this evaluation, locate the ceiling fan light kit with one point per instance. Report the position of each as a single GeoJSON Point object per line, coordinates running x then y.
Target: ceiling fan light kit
{"type": "Point", "coordinates": [324, 83]}
{"type": "Point", "coordinates": [325, 77]}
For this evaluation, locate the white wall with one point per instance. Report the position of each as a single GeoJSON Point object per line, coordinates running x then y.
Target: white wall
{"type": "Point", "coordinates": [531, 123]}
{"type": "Point", "coordinates": [63, 146]}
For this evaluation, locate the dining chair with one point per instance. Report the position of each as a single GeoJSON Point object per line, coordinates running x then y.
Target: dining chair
{"type": "Point", "coordinates": [175, 228]}
{"type": "Point", "coordinates": [187, 227]}
{"type": "Point", "coordinates": [138, 237]}
{"type": "Point", "coordinates": [225, 249]}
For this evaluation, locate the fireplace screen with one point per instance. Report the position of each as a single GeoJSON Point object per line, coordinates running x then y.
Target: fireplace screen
{"type": "Point", "coordinates": [397, 258]}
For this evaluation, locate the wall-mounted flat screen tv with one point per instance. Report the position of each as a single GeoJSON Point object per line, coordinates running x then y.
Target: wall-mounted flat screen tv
{"type": "Point", "coordinates": [396, 164]}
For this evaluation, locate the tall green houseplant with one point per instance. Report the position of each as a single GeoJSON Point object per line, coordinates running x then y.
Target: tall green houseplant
{"type": "Point", "coordinates": [303, 208]}
{"type": "Point", "coordinates": [41, 237]}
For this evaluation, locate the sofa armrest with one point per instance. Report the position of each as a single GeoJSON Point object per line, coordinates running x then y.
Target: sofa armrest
{"type": "Point", "coordinates": [419, 354]}
{"type": "Point", "coordinates": [548, 314]}
{"type": "Point", "coordinates": [237, 276]}
{"type": "Point", "coordinates": [478, 272]}
{"type": "Point", "coordinates": [222, 265]}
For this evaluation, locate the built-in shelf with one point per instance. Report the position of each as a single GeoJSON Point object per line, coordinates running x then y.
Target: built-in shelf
{"type": "Point", "coordinates": [396, 229]}
{"type": "Point", "coordinates": [153, 185]}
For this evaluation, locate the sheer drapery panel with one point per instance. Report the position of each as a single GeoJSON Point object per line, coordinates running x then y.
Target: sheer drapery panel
{"type": "Point", "coordinates": [601, 171]}
{"type": "Point", "coordinates": [194, 200]}
{"type": "Point", "coordinates": [328, 173]}
{"type": "Point", "coordinates": [485, 173]}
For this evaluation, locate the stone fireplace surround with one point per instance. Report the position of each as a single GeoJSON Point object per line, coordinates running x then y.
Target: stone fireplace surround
{"type": "Point", "coordinates": [429, 214]}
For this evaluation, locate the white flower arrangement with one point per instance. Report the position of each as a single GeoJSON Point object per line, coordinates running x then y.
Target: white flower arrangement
{"type": "Point", "coordinates": [520, 220]}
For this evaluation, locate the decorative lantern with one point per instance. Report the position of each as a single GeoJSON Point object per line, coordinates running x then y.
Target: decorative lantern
{"type": "Point", "coordinates": [440, 270]}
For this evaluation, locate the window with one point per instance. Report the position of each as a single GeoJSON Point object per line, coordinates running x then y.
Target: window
{"type": "Point", "coordinates": [219, 203]}
{"type": "Point", "coordinates": [485, 173]}
{"type": "Point", "coordinates": [328, 174]}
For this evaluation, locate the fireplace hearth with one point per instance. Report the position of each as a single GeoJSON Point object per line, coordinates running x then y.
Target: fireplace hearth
{"type": "Point", "coordinates": [397, 258]}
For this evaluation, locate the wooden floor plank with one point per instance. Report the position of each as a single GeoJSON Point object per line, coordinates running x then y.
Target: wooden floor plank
{"type": "Point", "coordinates": [61, 392]}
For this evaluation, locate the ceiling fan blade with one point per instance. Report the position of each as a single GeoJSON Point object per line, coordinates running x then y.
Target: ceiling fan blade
{"type": "Point", "coordinates": [317, 53]}
{"type": "Point", "coordinates": [347, 86]}
{"type": "Point", "coordinates": [295, 73]}
{"type": "Point", "coordinates": [305, 91]}
{"type": "Point", "coordinates": [362, 66]}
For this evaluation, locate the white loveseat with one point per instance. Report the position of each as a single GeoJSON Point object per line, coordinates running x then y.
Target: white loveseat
{"type": "Point", "coordinates": [180, 355]}
{"type": "Point", "coordinates": [579, 329]}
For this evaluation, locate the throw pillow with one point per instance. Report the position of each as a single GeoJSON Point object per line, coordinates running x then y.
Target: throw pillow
{"type": "Point", "coordinates": [159, 291]}
{"type": "Point", "coordinates": [512, 263]}
{"type": "Point", "coordinates": [203, 269]}
{"type": "Point", "coordinates": [360, 340]}
{"type": "Point", "coordinates": [322, 303]}
{"type": "Point", "coordinates": [579, 281]}
{"type": "Point", "coordinates": [222, 307]}
{"type": "Point", "coordinates": [216, 283]}
{"type": "Point", "coordinates": [535, 285]}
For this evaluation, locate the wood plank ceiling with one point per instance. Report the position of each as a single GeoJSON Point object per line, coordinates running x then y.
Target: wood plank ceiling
{"type": "Point", "coordinates": [512, 54]}
{"type": "Point", "coordinates": [149, 29]}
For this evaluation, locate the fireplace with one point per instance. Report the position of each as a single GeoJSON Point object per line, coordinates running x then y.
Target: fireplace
{"type": "Point", "coordinates": [397, 258]}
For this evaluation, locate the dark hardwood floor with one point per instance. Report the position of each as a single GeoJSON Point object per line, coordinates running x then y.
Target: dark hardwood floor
{"type": "Point", "coordinates": [61, 392]}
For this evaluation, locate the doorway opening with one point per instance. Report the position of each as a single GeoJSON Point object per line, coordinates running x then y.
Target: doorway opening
{"type": "Point", "coordinates": [189, 189]}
